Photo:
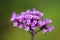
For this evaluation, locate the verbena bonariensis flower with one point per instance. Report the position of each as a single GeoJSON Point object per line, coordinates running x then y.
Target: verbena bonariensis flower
{"type": "Point", "coordinates": [31, 19]}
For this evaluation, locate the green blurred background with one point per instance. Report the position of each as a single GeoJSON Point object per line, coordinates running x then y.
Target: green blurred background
{"type": "Point", "coordinates": [51, 9]}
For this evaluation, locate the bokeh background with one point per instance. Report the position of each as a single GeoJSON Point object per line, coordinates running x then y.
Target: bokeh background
{"type": "Point", "coordinates": [51, 9]}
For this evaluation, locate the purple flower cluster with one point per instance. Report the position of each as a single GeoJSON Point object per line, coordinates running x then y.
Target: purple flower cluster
{"type": "Point", "coordinates": [31, 19]}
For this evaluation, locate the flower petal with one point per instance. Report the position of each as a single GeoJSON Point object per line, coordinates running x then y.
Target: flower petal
{"type": "Point", "coordinates": [15, 24]}
{"type": "Point", "coordinates": [50, 28]}
{"type": "Point", "coordinates": [44, 31]}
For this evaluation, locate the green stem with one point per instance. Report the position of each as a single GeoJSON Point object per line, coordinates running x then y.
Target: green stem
{"type": "Point", "coordinates": [33, 32]}
{"type": "Point", "coordinates": [32, 35]}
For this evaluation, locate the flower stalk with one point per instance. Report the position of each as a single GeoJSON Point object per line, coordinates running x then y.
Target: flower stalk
{"type": "Point", "coordinates": [32, 35]}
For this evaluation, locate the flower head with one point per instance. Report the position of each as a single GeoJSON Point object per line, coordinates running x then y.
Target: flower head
{"type": "Point", "coordinates": [30, 19]}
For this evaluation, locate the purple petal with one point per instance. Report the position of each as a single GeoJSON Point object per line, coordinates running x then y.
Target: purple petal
{"type": "Point", "coordinates": [27, 28]}
{"type": "Point", "coordinates": [47, 21]}
{"type": "Point", "coordinates": [13, 16]}
{"type": "Point", "coordinates": [40, 23]}
{"type": "Point", "coordinates": [15, 24]}
{"type": "Point", "coordinates": [41, 14]}
{"type": "Point", "coordinates": [24, 21]}
{"type": "Point", "coordinates": [44, 31]}
{"type": "Point", "coordinates": [50, 28]}
{"type": "Point", "coordinates": [23, 13]}
{"type": "Point", "coordinates": [33, 26]}
{"type": "Point", "coordinates": [20, 18]}
{"type": "Point", "coordinates": [28, 21]}
{"type": "Point", "coordinates": [28, 16]}
{"type": "Point", "coordinates": [37, 12]}
{"type": "Point", "coordinates": [28, 11]}
{"type": "Point", "coordinates": [36, 17]}
{"type": "Point", "coordinates": [20, 26]}
{"type": "Point", "coordinates": [35, 22]}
